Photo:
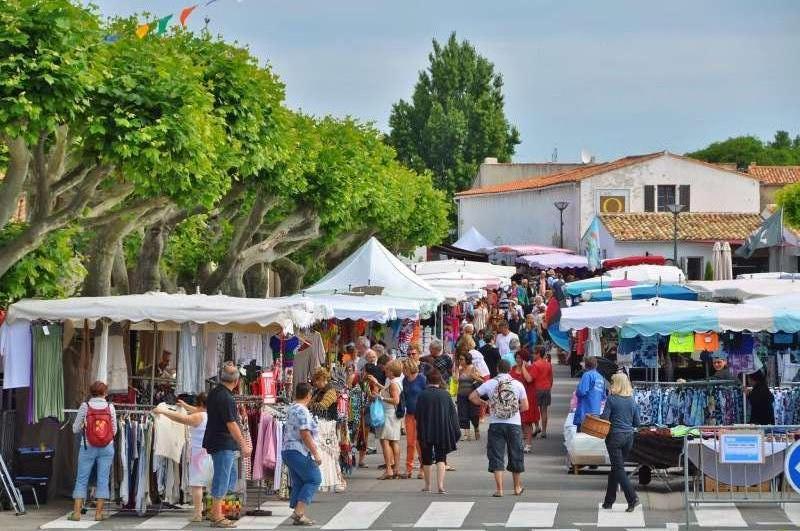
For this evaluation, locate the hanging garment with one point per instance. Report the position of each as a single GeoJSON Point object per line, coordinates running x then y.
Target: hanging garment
{"type": "Point", "coordinates": [15, 349]}
{"type": "Point", "coordinates": [100, 357]}
{"type": "Point", "coordinates": [48, 372]}
{"type": "Point", "coordinates": [681, 342]}
{"type": "Point", "coordinates": [191, 360]}
{"type": "Point", "coordinates": [279, 475]}
{"type": "Point", "coordinates": [116, 362]}
{"type": "Point", "coordinates": [211, 354]}
{"type": "Point", "coordinates": [706, 341]}
{"type": "Point", "coordinates": [308, 360]}
{"type": "Point", "coordinates": [642, 350]}
{"type": "Point", "coordinates": [170, 436]}
{"type": "Point", "coordinates": [328, 445]}
{"type": "Point", "coordinates": [247, 347]}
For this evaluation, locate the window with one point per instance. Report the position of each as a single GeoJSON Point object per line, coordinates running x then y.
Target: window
{"type": "Point", "coordinates": [649, 198]}
{"type": "Point", "coordinates": [666, 196]}
{"type": "Point", "coordinates": [683, 197]}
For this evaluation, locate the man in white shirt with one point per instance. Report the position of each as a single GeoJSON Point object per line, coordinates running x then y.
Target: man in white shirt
{"type": "Point", "coordinates": [362, 346]}
{"type": "Point", "coordinates": [506, 398]}
{"type": "Point", "coordinates": [503, 338]}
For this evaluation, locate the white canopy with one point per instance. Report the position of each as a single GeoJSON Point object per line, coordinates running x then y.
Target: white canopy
{"type": "Point", "coordinates": [764, 276]}
{"type": "Point", "coordinates": [463, 266]}
{"type": "Point", "coordinates": [373, 265]}
{"type": "Point", "coordinates": [378, 308]}
{"type": "Point", "coordinates": [742, 289]}
{"type": "Point", "coordinates": [472, 240]}
{"type": "Point", "coordinates": [176, 308]}
{"type": "Point", "coordinates": [650, 274]}
{"type": "Point", "coordinates": [612, 314]}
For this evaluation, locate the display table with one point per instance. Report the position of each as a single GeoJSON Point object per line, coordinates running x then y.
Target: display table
{"type": "Point", "coordinates": [655, 449]}
{"type": "Point", "coordinates": [704, 454]}
{"type": "Point", "coordinates": [583, 449]}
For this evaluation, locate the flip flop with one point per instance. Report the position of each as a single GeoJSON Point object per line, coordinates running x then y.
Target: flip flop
{"type": "Point", "coordinates": [497, 495]}
{"type": "Point", "coordinates": [223, 523]}
{"type": "Point", "coordinates": [520, 492]}
{"type": "Point", "coordinates": [442, 492]}
{"type": "Point", "coordinates": [72, 517]}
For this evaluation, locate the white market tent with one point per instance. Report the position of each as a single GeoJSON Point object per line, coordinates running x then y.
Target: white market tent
{"type": "Point", "coordinates": [743, 289]}
{"type": "Point", "coordinates": [172, 308]}
{"type": "Point", "coordinates": [472, 240]}
{"type": "Point", "coordinates": [650, 274]}
{"type": "Point", "coordinates": [463, 266]}
{"type": "Point", "coordinates": [378, 308]}
{"type": "Point", "coordinates": [373, 265]}
{"type": "Point", "coordinates": [614, 314]}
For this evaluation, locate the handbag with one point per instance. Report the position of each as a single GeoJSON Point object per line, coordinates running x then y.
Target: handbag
{"type": "Point", "coordinates": [400, 410]}
{"type": "Point", "coordinates": [376, 419]}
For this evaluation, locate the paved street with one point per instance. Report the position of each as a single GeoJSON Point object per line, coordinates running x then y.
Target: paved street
{"type": "Point", "coordinates": [552, 500]}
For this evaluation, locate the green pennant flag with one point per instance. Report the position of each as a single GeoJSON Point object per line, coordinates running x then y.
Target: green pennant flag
{"type": "Point", "coordinates": [162, 25]}
{"type": "Point", "coordinates": [769, 234]}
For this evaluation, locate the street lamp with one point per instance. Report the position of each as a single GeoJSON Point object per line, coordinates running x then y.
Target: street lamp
{"type": "Point", "coordinates": [675, 209]}
{"type": "Point", "coordinates": [561, 206]}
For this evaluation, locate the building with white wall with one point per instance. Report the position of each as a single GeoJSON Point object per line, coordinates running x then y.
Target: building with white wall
{"type": "Point", "coordinates": [523, 211]}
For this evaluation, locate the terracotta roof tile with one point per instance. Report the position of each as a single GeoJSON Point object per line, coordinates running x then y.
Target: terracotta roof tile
{"type": "Point", "coordinates": [583, 172]}
{"type": "Point", "coordinates": [569, 176]}
{"type": "Point", "coordinates": [692, 226]}
{"type": "Point", "coordinates": [778, 175]}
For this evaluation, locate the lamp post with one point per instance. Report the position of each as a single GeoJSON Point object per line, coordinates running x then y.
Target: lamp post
{"type": "Point", "coordinates": [561, 206]}
{"type": "Point", "coordinates": [676, 209]}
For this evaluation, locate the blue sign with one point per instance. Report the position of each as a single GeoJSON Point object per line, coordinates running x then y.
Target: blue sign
{"type": "Point", "coordinates": [792, 469]}
{"type": "Point", "coordinates": [741, 448]}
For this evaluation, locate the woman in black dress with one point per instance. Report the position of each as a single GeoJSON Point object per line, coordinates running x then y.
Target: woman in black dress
{"type": "Point", "coordinates": [437, 429]}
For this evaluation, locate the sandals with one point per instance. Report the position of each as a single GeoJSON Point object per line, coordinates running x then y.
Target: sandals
{"type": "Point", "coordinates": [223, 523]}
{"type": "Point", "coordinates": [100, 517]}
{"type": "Point", "coordinates": [196, 519]}
{"type": "Point", "coordinates": [387, 476]}
{"type": "Point", "coordinates": [519, 492]}
{"type": "Point", "coordinates": [301, 520]}
{"type": "Point", "coordinates": [72, 517]}
{"type": "Point", "coordinates": [442, 491]}
{"type": "Point", "coordinates": [450, 468]}
{"type": "Point", "coordinates": [497, 495]}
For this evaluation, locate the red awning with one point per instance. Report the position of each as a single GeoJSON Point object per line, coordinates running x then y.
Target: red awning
{"type": "Point", "coordinates": [613, 263]}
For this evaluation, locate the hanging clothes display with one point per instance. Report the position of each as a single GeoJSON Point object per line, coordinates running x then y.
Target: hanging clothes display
{"type": "Point", "coordinates": [787, 405]}
{"type": "Point", "coordinates": [719, 404]}
{"type": "Point", "coordinates": [706, 341]}
{"type": "Point", "coordinates": [15, 349]}
{"type": "Point", "coordinates": [641, 351]}
{"type": "Point", "coordinates": [48, 373]}
{"type": "Point", "coordinates": [681, 343]}
{"type": "Point", "coordinates": [191, 360]}
{"type": "Point", "coordinates": [328, 445]}
{"type": "Point", "coordinates": [308, 360]}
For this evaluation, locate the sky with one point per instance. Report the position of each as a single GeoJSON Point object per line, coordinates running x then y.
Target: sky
{"type": "Point", "coordinates": [613, 77]}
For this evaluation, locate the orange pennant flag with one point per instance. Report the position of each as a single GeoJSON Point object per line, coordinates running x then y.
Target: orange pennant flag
{"type": "Point", "coordinates": [185, 14]}
{"type": "Point", "coordinates": [141, 30]}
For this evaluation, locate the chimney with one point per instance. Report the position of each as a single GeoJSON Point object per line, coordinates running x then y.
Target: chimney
{"type": "Point", "coordinates": [490, 160]}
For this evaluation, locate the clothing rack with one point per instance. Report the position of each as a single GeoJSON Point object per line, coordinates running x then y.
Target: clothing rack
{"type": "Point", "coordinates": [697, 383]}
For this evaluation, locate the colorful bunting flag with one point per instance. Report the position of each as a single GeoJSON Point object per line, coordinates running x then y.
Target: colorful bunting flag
{"type": "Point", "coordinates": [162, 24]}
{"type": "Point", "coordinates": [142, 30]}
{"type": "Point", "coordinates": [185, 14]}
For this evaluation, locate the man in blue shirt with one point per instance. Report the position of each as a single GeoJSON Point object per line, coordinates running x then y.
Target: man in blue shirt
{"type": "Point", "coordinates": [591, 392]}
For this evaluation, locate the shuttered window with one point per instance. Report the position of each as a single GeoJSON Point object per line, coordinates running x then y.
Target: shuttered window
{"type": "Point", "coordinates": [649, 198]}
{"type": "Point", "coordinates": [683, 197]}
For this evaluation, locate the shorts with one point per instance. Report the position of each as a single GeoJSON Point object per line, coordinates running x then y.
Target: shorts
{"type": "Point", "coordinates": [544, 398]}
{"type": "Point", "coordinates": [502, 438]}
{"type": "Point", "coordinates": [430, 454]}
{"type": "Point", "coordinates": [225, 473]}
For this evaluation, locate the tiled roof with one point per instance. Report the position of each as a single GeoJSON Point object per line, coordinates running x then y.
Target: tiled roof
{"type": "Point", "coordinates": [776, 175]}
{"type": "Point", "coordinates": [692, 226]}
{"type": "Point", "coordinates": [569, 176]}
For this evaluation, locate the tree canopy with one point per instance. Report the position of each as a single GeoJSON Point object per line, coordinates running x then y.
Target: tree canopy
{"type": "Point", "coordinates": [171, 161]}
{"type": "Point", "coordinates": [455, 117]}
{"type": "Point", "coordinates": [743, 150]}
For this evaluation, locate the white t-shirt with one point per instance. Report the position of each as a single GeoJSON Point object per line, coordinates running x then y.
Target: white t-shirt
{"type": "Point", "coordinates": [487, 389]}
{"type": "Point", "coordinates": [479, 363]}
{"type": "Point", "coordinates": [502, 341]}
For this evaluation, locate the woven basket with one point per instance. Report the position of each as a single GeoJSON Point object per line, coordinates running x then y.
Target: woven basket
{"type": "Point", "coordinates": [595, 426]}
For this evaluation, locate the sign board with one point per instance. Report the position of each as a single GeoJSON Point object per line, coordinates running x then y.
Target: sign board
{"type": "Point", "coordinates": [741, 448]}
{"type": "Point", "coordinates": [792, 467]}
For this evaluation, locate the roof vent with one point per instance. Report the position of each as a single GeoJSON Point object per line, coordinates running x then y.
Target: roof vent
{"type": "Point", "coordinates": [490, 160]}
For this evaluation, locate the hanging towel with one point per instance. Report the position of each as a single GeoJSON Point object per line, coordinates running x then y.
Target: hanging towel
{"type": "Point", "coordinates": [681, 342]}
{"type": "Point", "coordinates": [191, 360]}
{"type": "Point", "coordinates": [100, 359]}
{"type": "Point", "coordinates": [15, 349]}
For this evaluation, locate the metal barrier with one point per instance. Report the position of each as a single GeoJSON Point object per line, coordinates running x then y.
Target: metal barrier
{"type": "Point", "coordinates": [710, 479]}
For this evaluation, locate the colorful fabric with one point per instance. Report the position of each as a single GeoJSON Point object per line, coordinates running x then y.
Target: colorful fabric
{"type": "Point", "coordinates": [681, 342]}
{"type": "Point", "coordinates": [706, 341]}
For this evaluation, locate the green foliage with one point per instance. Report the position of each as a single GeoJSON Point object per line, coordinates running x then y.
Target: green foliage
{"type": "Point", "coordinates": [49, 63]}
{"type": "Point", "coordinates": [54, 270]}
{"type": "Point", "coordinates": [788, 197]}
{"type": "Point", "coordinates": [196, 241]}
{"type": "Point", "coordinates": [455, 117]}
{"type": "Point", "coordinates": [709, 274]}
{"type": "Point", "coordinates": [744, 150]}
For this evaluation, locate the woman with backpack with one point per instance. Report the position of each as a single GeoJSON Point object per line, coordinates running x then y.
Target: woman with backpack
{"type": "Point", "coordinates": [201, 468]}
{"type": "Point", "coordinates": [97, 421]}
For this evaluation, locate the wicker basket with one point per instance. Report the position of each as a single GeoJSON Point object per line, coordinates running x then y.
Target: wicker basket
{"type": "Point", "coordinates": [595, 426]}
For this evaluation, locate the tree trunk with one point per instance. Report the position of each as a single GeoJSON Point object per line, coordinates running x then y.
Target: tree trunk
{"type": "Point", "coordinates": [119, 271]}
{"type": "Point", "coordinates": [291, 275]}
{"type": "Point", "coordinates": [28, 241]}
{"type": "Point", "coordinates": [148, 271]}
{"type": "Point", "coordinates": [98, 277]}
{"type": "Point", "coordinates": [19, 158]}
{"type": "Point", "coordinates": [234, 282]}
{"type": "Point", "coordinates": [255, 282]}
